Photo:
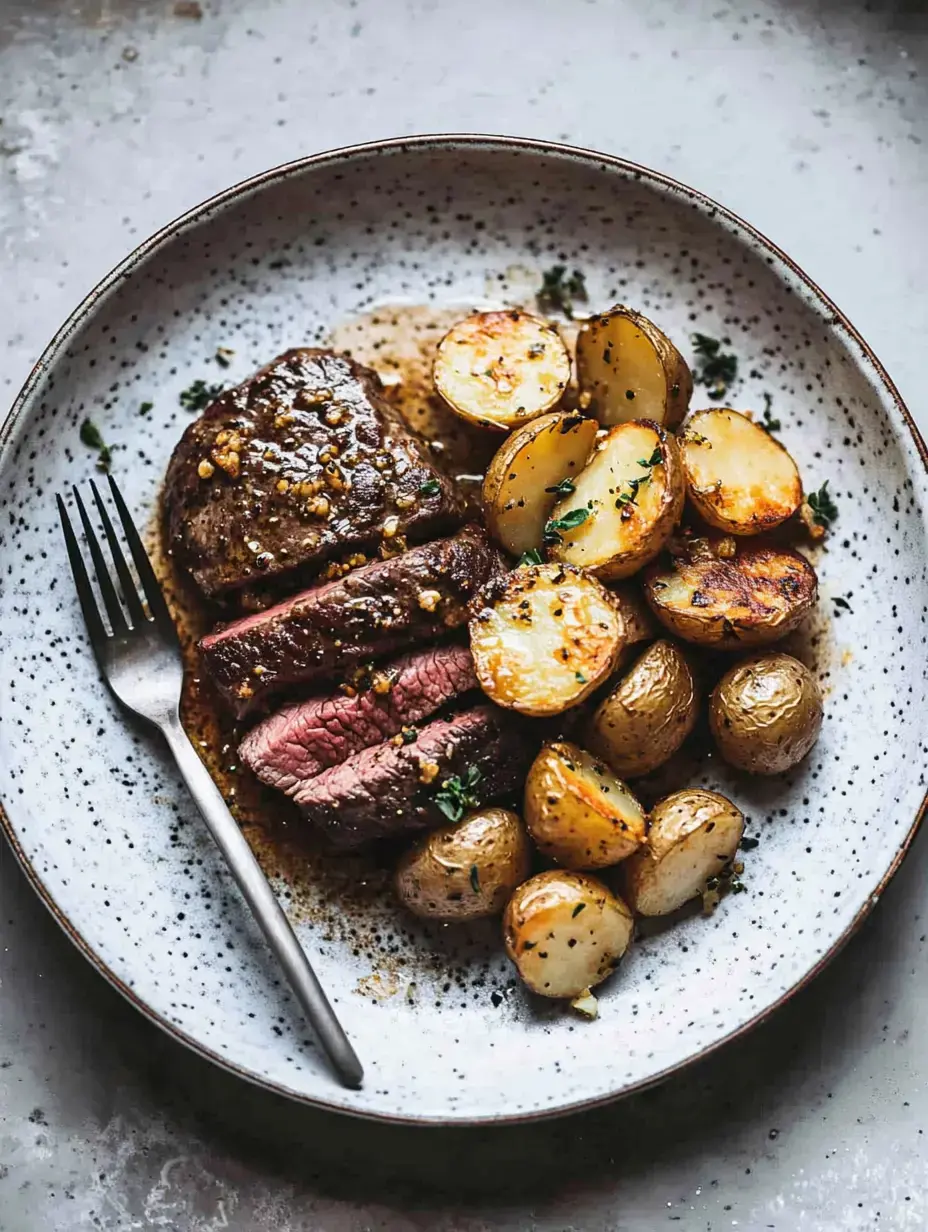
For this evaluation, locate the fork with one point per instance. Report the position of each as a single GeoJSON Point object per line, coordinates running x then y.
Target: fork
{"type": "Point", "coordinates": [139, 657]}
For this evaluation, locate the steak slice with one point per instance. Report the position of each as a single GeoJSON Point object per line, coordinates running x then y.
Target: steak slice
{"type": "Point", "coordinates": [304, 461]}
{"type": "Point", "coordinates": [371, 612]}
{"type": "Point", "coordinates": [390, 789]}
{"type": "Point", "coordinates": [306, 738]}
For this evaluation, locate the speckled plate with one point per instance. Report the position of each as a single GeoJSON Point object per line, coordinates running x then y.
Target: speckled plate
{"type": "Point", "coordinates": [94, 809]}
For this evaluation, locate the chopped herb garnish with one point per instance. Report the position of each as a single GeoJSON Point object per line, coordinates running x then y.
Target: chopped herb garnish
{"type": "Point", "coordinates": [559, 291]}
{"type": "Point", "coordinates": [629, 498]}
{"type": "Point", "coordinates": [90, 436]}
{"type": "Point", "coordinates": [654, 460]}
{"type": "Point", "coordinates": [579, 676]}
{"type": "Point", "coordinates": [768, 421]}
{"type": "Point", "coordinates": [572, 519]}
{"type": "Point", "coordinates": [630, 395]}
{"type": "Point", "coordinates": [457, 796]}
{"type": "Point", "coordinates": [576, 911]}
{"type": "Point", "coordinates": [564, 488]}
{"type": "Point", "coordinates": [748, 844]}
{"type": "Point", "coordinates": [824, 509]}
{"type": "Point", "coordinates": [475, 878]}
{"type": "Point", "coordinates": [430, 487]}
{"type": "Point", "coordinates": [223, 356]}
{"type": "Point", "coordinates": [841, 602]}
{"type": "Point", "coordinates": [146, 408]}
{"type": "Point", "coordinates": [717, 369]}
{"type": "Point", "coordinates": [198, 395]}
{"type": "Point", "coordinates": [531, 557]}
{"type": "Point", "coordinates": [410, 735]}
{"type": "Point", "coordinates": [695, 438]}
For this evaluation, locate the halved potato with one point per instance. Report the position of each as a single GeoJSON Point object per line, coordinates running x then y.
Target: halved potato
{"type": "Point", "coordinates": [766, 713]}
{"type": "Point", "coordinates": [520, 488]}
{"type": "Point", "coordinates": [628, 369]}
{"type": "Point", "coordinates": [544, 638]}
{"type": "Point", "coordinates": [500, 369]}
{"type": "Point", "coordinates": [566, 932]}
{"type": "Point", "coordinates": [751, 598]}
{"type": "Point", "coordinates": [693, 835]}
{"type": "Point", "coordinates": [625, 504]}
{"type": "Point", "coordinates": [739, 477]}
{"type": "Point", "coordinates": [648, 714]}
{"type": "Point", "coordinates": [576, 810]}
{"type": "Point", "coordinates": [467, 870]}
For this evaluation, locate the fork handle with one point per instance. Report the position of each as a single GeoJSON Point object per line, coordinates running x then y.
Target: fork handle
{"type": "Point", "coordinates": [264, 905]}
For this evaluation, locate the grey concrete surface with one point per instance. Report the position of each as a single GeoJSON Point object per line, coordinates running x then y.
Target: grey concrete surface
{"type": "Point", "coordinates": [811, 120]}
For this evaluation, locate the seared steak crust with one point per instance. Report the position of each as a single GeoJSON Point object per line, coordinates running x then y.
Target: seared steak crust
{"type": "Point", "coordinates": [304, 461]}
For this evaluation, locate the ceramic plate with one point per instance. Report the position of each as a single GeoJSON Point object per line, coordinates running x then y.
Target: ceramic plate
{"type": "Point", "coordinates": [99, 818]}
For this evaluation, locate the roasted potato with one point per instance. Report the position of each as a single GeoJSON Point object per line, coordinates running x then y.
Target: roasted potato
{"type": "Point", "coordinates": [565, 932]}
{"type": "Point", "coordinates": [466, 870]}
{"type": "Point", "coordinates": [500, 369]}
{"type": "Point", "coordinates": [576, 810]}
{"type": "Point", "coordinates": [625, 504]}
{"type": "Point", "coordinates": [649, 713]}
{"type": "Point", "coordinates": [640, 625]}
{"type": "Point", "coordinates": [532, 467]}
{"type": "Point", "coordinates": [739, 477]}
{"type": "Point", "coordinates": [692, 836]}
{"type": "Point", "coordinates": [628, 369]}
{"type": "Point", "coordinates": [544, 638]}
{"type": "Point", "coordinates": [766, 713]}
{"type": "Point", "coordinates": [752, 597]}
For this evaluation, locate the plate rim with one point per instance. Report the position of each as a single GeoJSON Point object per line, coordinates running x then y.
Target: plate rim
{"type": "Point", "coordinates": [596, 160]}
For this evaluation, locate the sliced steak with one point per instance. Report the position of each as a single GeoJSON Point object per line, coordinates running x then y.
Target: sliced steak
{"type": "Point", "coordinates": [306, 738]}
{"type": "Point", "coordinates": [390, 789]}
{"type": "Point", "coordinates": [373, 611]}
{"type": "Point", "coordinates": [304, 461]}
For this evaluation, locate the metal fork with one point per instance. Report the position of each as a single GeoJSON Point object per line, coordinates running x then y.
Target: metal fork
{"type": "Point", "coordinates": [140, 659]}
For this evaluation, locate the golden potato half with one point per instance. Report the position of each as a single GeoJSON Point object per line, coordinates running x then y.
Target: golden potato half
{"type": "Point", "coordinates": [565, 932]}
{"type": "Point", "coordinates": [500, 369]}
{"type": "Point", "coordinates": [739, 478]}
{"type": "Point", "coordinates": [750, 599]}
{"type": "Point", "coordinates": [649, 713]}
{"type": "Point", "coordinates": [629, 369]}
{"type": "Point", "coordinates": [577, 812]}
{"type": "Point", "coordinates": [625, 504]}
{"type": "Point", "coordinates": [544, 638]}
{"type": "Point", "coordinates": [766, 713]}
{"type": "Point", "coordinates": [521, 485]}
{"type": "Point", "coordinates": [692, 836]}
{"type": "Point", "coordinates": [466, 870]}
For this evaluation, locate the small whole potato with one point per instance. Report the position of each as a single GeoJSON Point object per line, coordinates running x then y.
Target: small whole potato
{"type": "Point", "coordinates": [467, 870]}
{"type": "Point", "coordinates": [577, 812]}
{"type": "Point", "coordinates": [766, 713]}
{"type": "Point", "coordinates": [648, 714]}
{"type": "Point", "coordinates": [693, 835]}
{"type": "Point", "coordinates": [565, 932]}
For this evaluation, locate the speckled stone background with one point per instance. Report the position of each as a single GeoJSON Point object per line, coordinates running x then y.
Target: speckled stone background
{"type": "Point", "coordinates": [810, 119]}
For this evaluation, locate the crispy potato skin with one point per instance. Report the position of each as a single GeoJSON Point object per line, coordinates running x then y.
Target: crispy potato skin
{"type": "Point", "coordinates": [578, 812]}
{"type": "Point", "coordinates": [535, 458]}
{"type": "Point", "coordinates": [739, 478]}
{"type": "Point", "coordinates": [621, 352]}
{"type": "Point", "coordinates": [488, 849]}
{"type": "Point", "coordinates": [766, 713]}
{"type": "Point", "coordinates": [649, 713]}
{"type": "Point", "coordinates": [565, 932]}
{"type": "Point", "coordinates": [750, 599]}
{"type": "Point", "coordinates": [693, 834]}
{"type": "Point", "coordinates": [617, 539]}
{"type": "Point", "coordinates": [544, 638]}
{"type": "Point", "coordinates": [500, 369]}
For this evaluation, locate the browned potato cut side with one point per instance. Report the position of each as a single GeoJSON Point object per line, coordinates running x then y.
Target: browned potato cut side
{"type": "Point", "coordinates": [693, 835]}
{"type": "Point", "coordinates": [750, 599]}
{"type": "Point", "coordinates": [466, 870]}
{"type": "Point", "coordinates": [545, 638]}
{"type": "Point", "coordinates": [625, 504]}
{"type": "Point", "coordinates": [519, 490]}
{"type": "Point", "coordinates": [565, 932]}
{"type": "Point", "coordinates": [628, 369]}
{"type": "Point", "coordinates": [578, 812]}
{"type": "Point", "coordinates": [766, 713]}
{"type": "Point", "coordinates": [500, 369]}
{"type": "Point", "coordinates": [739, 478]}
{"type": "Point", "coordinates": [648, 714]}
